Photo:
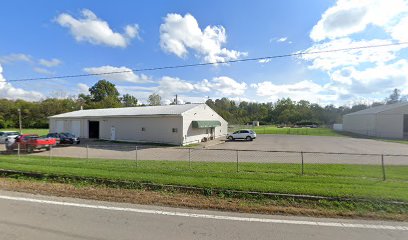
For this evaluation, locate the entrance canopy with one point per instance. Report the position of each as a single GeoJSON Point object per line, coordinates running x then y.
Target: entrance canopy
{"type": "Point", "coordinates": [206, 124]}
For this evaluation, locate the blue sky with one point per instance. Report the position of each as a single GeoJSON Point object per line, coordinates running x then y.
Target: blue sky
{"type": "Point", "coordinates": [54, 38]}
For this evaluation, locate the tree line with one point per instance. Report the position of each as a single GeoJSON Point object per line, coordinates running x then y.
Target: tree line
{"type": "Point", "coordinates": [105, 95]}
{"type": "Point", "coordinates": [288, 112]}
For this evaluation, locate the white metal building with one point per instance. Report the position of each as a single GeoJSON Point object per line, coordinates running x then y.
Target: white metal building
{"type": "Point", "coordinates": [173, 124]}
{"type": "Point", "coordinates": [387, 121]}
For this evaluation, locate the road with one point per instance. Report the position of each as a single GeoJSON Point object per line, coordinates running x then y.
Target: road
{"type": "Point", "coordinates": [26, 216]}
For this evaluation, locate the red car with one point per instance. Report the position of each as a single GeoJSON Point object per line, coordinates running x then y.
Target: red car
{"type": "Point", "coordinates": [30, 142]}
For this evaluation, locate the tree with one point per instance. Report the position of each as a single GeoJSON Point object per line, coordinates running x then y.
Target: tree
{"type": "Point", "coordinates": [154, 99]}
{"type": "Point", "coordinates": [128, 100]}
{"type": "Point", "coordinates": [394, 97]}
{"type": "Point", "coordinates": [102, 90]}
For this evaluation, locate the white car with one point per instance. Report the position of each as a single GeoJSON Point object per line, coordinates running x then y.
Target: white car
{"type": "Point", "coordinates": [246, 134]}
{"type": "Point", "coordinates": [7, 134]}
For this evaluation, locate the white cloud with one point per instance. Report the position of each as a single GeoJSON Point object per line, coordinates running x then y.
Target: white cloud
{"type": "Point", "coordinates": [332, 60]}
{"type": "Point", "coordinates": [343, 75]}
{"type": "Point", "coordinates": [265, 60]}
{"type": "Point", "coordinates": [178, 34]}
{"type": "Point", "coordinates": [50, 63]}
{"type": "Point", "coordinates": [132, 31]}
{"type": "Point", "coordinates": [120, 74]}
{"type": "Point", "coordinates": [94, 30]}
{"type": "Point", "coordinates": [349, 16]}
{"type": "Point", "coordinates": [303, 90]}
{"type": "Point", "coordinates": [399, 31]}
{"type": "Point", "coordinates": [43, 71]}
{"type": "Point", "coordinates": [15, 57]}
{"type": "Point", "coordinates": [170, 86]}
{"type": "Point", "coordinates": [241, 99]}
{"type": "Point", "coordinates": [8, 91]}
{"type": "Point", "coordinates": [83, 88]}
{"type": "Point", "coordinates": [282, 39]}
{"type": "Point", "coordinates": [369, 73]}
{"type": "Point", "coordinates": [225, 86]}
{"type": "Point", "coordinates": [380, 79]}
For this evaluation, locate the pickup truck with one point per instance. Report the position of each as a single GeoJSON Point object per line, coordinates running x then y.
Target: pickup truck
{"type": "Point", "coordinates": [30, 142]}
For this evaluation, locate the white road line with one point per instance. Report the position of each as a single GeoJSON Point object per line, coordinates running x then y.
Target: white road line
{"type": "Point", "coordinates": [209, 216]}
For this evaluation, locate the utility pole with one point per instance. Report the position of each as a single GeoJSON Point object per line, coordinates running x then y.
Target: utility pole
{"type": "Point", "coordinates": [176, 100]}
{"type": "Point", "coordinates": [19, 121]}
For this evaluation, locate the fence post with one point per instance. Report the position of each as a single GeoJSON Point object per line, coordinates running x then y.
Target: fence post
{"type": "Point", "coordinates": [189, 158]}
{"type": "Point", "coordinates": [136, 158]}
{"type": "Point", "coordinates": [383, 167]}
{"type": "Point", "coordinates": [301, 155]}
{"type": "Point", "coordinates": [50, 154]}
{"type": "Point", "coordinates": [18, 150]}
{"type": "Point", "coordinates": [237, 160]}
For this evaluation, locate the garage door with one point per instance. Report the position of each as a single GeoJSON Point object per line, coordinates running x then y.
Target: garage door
{"type": "Point", "coordinates": [59, 126]}
{"type": "Point", "coordinates": [76, 128]}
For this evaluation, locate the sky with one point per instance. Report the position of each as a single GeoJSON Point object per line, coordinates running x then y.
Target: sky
{"type": "Point", "coordinates": [68, 37]}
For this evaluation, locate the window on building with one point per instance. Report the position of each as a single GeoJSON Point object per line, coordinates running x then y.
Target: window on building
{"type": "Point", "coordinates": [174, 130]}
{"type": "Point", "coordinates": [143, 129]}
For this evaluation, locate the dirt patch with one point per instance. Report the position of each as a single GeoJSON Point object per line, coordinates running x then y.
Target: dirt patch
{"type": "Point", "coordinates": [191, 200]}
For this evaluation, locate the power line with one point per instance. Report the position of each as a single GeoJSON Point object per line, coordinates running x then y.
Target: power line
{"type": "Point", "coordinates": [207, 64]}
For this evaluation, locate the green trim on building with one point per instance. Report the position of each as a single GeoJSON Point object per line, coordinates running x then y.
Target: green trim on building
{"type": "Point", "coordinates": [206, 124]}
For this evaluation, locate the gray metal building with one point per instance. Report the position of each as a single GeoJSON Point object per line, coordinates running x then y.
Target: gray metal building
{"type": "Point", "coordinates": [387, 121]}
{"type": "Point", "coordinates": [173, 124]}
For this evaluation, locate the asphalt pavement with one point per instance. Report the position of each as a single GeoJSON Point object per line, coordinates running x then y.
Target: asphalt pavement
{"type": "Point", "coordinates": [289, 147]}
{"type": "Point", "coordinates": [27, 216]}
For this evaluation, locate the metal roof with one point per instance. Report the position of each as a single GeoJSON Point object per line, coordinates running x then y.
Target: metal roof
{"type": "Point", "coordinates": [379, 109]}
{"type": "Point", "coordinates": [129, 111]}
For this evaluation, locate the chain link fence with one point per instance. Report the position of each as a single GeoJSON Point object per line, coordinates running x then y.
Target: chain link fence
{"type": "Point", "coordinates": [158, 158]}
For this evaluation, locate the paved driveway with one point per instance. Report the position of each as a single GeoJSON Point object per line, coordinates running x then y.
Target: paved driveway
{"type": "Point", "coordinates": [316, 144]}
{"type": "Point", "coordinates": [251, 151]}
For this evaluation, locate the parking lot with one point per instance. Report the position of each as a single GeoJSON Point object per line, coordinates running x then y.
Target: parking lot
{"type": "Point", "coordinates": [264, 149]}
{"type": "Point", "coordinates": [267, 142]}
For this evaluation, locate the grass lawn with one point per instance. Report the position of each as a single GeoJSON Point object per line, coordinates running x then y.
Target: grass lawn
{"type": "Point", "coordinates": [359, 181]}
{"type": "Point", "coordinates": [395, 141]}
{"type": "Point", "coordinates": [296, 131]}
{"type": "Point", "coordinates": [38, 131]}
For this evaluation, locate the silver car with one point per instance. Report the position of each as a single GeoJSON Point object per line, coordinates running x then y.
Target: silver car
{"type": "Point", "coordinates": [246, 134]}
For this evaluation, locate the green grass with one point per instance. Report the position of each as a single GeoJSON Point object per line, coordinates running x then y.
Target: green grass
{"type": "Point", "coordinates": [334, 180]}
{"type": "Point", "coordinates": [38, 131]}
{"type": "Point", "coordinates": [295, 131]}
{"type": "Point", "coordinates": [394, 140]}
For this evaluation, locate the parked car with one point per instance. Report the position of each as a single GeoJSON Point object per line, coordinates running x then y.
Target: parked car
{"type": "Point", "coordinates": [6, 134]}
{"type": "Point", "coordinates": [30, 142]}
{"type": "Point", "coordinates": [246, 134]}
{"type": "Point", "coordinates": [64, 138]}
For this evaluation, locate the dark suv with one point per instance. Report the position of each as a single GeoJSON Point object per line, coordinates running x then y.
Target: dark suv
{"type": "Point", "coordinates": [64, 138]}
